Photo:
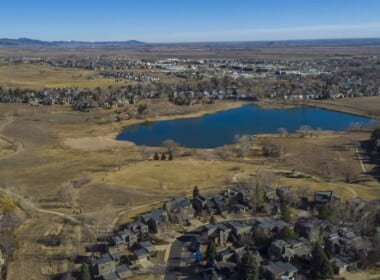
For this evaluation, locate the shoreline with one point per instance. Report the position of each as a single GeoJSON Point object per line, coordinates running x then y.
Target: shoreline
{"type": "Point", "coordinates": [340, 108]}
{"type": "Point", "coordinates": [226, 106]}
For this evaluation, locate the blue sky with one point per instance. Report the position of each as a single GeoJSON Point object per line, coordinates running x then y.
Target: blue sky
{"type": "Point", "coordinates": [189, 20]}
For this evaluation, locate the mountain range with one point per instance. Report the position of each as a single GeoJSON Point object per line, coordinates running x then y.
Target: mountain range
{"type": "Point", "coordinates": [32, 43]}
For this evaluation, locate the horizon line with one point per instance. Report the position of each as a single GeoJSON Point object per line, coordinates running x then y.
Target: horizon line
{"type": "Point", "coordinates": [195, 41]}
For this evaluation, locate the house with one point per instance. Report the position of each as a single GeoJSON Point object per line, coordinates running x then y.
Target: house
{"type": "Point", "coordinates": [222, 204]}
{"type": "Point", "coordinates": [300, 248]}
{"type": "Point", "coordinates": [309, 228]}
{"type": "Point", "coordinates": [199, 203]}
{"type": "Point", "coordinates": [141, 254]}
{"type": "Point", "coordinates": [244, 196]}
{"type": "Point", "coordinates": [284, 193]}
{"type": "Point", "coordinates": [270, 194]}
{"type": "Point", "coordinates": [179, 210]}
{"type": "Point", "coordinates": [139, 228]}
{"type": "Point", "coordinates": [270, 208]}
{"type": "Point", "coordinates": [123, 271]}
{"type": "Point", "coordinates": [220, 234]}
{"type": "Point", "coordinates": [110, 276]}
{"type": "Point", "coordinates": [343, 263]}
{"type": "Point", "coordinates": [240, 208]}
{"type": "Point", "coordinates": [129, 237]}
{"type": "Point", "coordinates": [323, 197]}
{"type": "Point", "coordinates": [287, 250]}
{"type": "Point", "coordinates": [156, 220]}
{"type": "Point", "coordinates": [239, 228]}
{"type": "Point", "coordinates": [117, 247]}
{"type": "Point", "coordinates": [339, 241]}
{"type": "Point", "coordinates": [224, 254]}
{"type": "Point", "coordinates": [104, 265]}
{"type": "Point", "coordinates": [279, 249]}
{"type": "Point", "coordinates": [148, 246]}
{"type": "Point", "coordinates": [270, 227]}
{"type": "Point", "coordinates": [276, 270]}
{"type": "Point", "coordinates": [206, 203]}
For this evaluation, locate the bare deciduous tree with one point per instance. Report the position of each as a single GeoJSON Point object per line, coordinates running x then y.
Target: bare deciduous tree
{"type": "Point", "coordinates": [170, 145]}
{"type": "Point", "coordinates": [66, 193]}
{"type": "Point", "coordinates": [259, 181]}
{"type": "Point", "coordinates": [349, 171]}
{"type": "Point", "coordinates": [244, 144]}
{"type": "Point", "coordinates": [144, 152]}
{"type": "Point", "coordinates": [101, 219]}
{"type": "Point", "coordinates": [282, 131]}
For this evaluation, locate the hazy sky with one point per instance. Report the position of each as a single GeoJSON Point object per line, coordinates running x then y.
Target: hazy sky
{"type": "Point", "coordinates": [189, 20]}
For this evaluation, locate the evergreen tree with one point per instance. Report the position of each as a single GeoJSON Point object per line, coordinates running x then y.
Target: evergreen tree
{"type": "Point", "coordinates": [196, 192]}
{"type": "Point", "coordinates": [250, 267]}
{"type": "Point", "coordinates": [171, 155]}
{"type": "Point", "coordinates": [163, 156]}
{"type": "Point", "coordinates": [285, 212]}
{"type": "Point", "coordinates": [321, 267]}
{"type": "Point", "coordinates": [214, 275]}
{"type": "Point", "coordinates": [156, 157]}
{"type": "Point", "coordinates": [210, 252]}
{"type": "Point", "coordinates": [85, 272]}
{"type": "Point", "coordinates": [287, 234]}
{"type": "Point", "coordinates": [212, 220]}
{"type": "Point", "coordinates": [324, 212]}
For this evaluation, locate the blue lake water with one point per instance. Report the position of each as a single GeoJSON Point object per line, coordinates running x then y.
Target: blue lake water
{"type": "Point", "coordinates": [213, 130]}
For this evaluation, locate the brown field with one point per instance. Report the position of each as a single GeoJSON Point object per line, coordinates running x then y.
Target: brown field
{"type": "Point", "coordinates": [365, 106]}
{"type": "Point", "coordinates": [40, 76]}
{"type": "Point", "coordinates": [61, 145]}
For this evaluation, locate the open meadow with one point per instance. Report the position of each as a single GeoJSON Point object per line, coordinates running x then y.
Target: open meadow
{"type": "Point", "coordinates": [61, 146]}
{"type": "Point", "coordinates": [37, 76]}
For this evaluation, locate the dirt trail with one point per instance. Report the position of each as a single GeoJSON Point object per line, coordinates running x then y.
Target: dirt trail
{"type": "Point", "coordinates": [19, 145]}
{"type": "Point", "coordinates": [25, 203]}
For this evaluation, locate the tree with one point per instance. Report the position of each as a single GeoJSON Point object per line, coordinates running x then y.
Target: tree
{"type": "Point", "coordinates": [171, 156]}
{"type": "Point", "coordinates": [214, 275]}
{"type": "Point", "coordinates": [85, 272]}
{"type": "Point", "coordinates": [243, 142]}
{"type": "Point", "coordinates": [163, 156]}
{"type": "Point", "coordinates": [261, 180]}
{"type": "Point", "coordinates": [285, 212]}
{"type": "Point", "coordinates": [287, 234]}
{"type": "Point", "coordinates": [66, 193]}
{"type": "Point", "coordinates": [210, 252]}
{"type": "Point", "coordinates": [282, 131]}
{"type": "Point", "coordinates": [144, 152]}
{"type": "Point", "coordinates": [196, 192]}
{"type": "Point", "coordinates": [170, 145]}
{"type": "Point", "coordinates": [212, 220]}
{"type": "Point", "coordinates": [324, 212]}
{"type": "Point", "coordinates": [249, 267]}
{"type": "Point", "coordinates": [321, 267]}
{"type": "Point", "coordinates": [349, 171]}
{"type": "Point", "coordinates": [142, 108]}
{"type": "Point", "coordinates": [156, 157]}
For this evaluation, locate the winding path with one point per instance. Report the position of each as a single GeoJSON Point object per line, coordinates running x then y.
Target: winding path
{"type": "Point", "coordinates": [19, 145]}
{"type": "Point", "coordinates": [25, 203]}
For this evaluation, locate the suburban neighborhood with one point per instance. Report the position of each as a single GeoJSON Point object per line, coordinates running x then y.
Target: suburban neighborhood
{"type": "Point", "coordinates": [212, 236]}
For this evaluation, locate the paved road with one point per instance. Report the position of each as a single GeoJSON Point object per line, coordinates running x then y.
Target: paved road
{"type": "Point", "coordinates": [174, 262]}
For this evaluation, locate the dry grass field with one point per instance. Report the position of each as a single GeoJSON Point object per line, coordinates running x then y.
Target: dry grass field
{"type": "Point", "coordinates": [34, 76]}
{"type": "Point", "coordinates": [367, 106]}
{"type": "Point", "coordinates": [61, 145]}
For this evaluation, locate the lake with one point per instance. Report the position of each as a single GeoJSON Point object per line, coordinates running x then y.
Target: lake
{"type": "Point", "coordinates": [218, 129]}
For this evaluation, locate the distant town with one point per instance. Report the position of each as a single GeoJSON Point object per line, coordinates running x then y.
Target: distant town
{"type": "Point", "coordinates": [190, 81]}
